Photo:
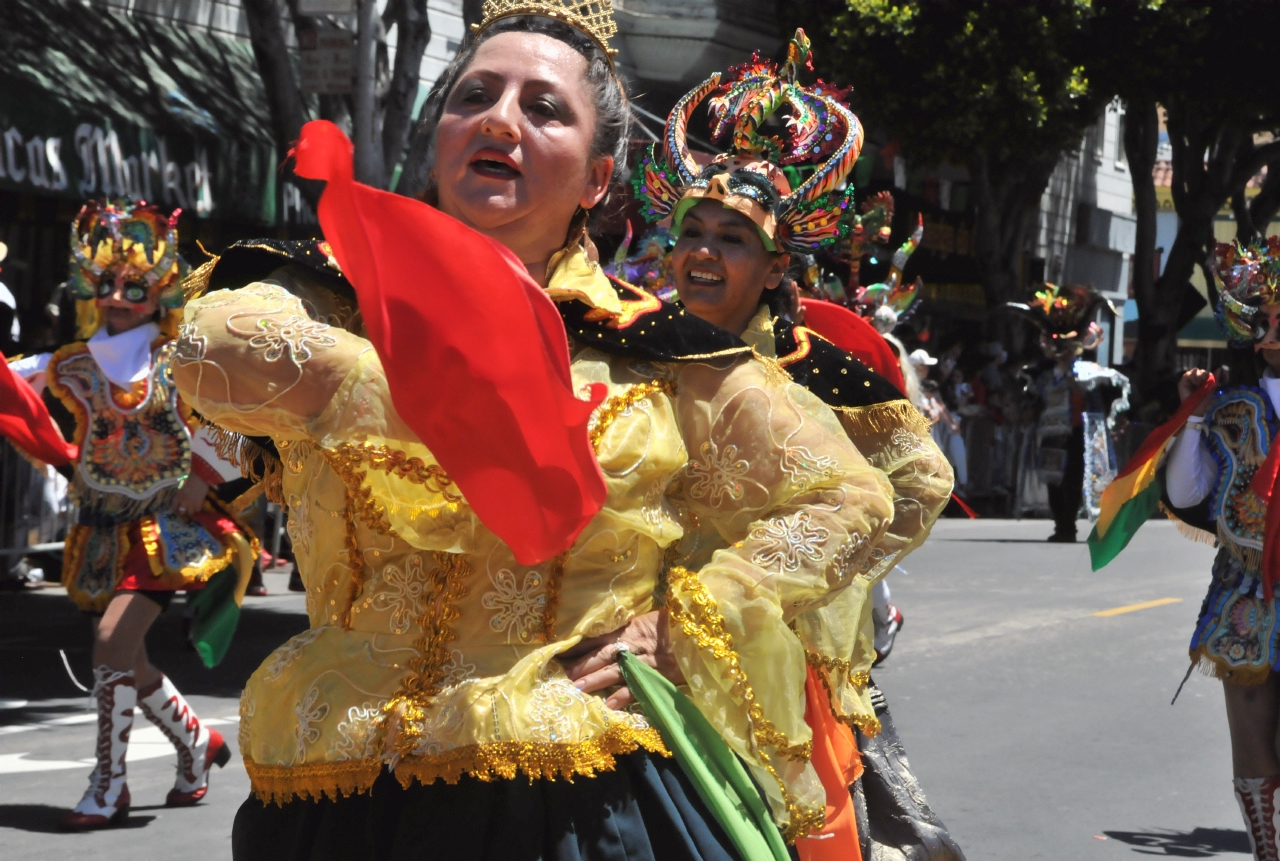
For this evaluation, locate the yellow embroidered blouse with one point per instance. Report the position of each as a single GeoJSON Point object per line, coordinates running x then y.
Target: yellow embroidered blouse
{"type": "Point", "coordinates": [433, 653]}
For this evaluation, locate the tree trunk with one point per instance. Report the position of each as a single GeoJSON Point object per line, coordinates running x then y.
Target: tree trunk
{"type": "Point", "coordinates": [370, 167]}
{"type": "Point", "coordinates": [413, 32]}
{"type": "Point", "coordinates": [284, 98]}
{"type": "Point", "coordinates": [1141, 138]}
{"type": "Point", "coordinates": [1007, 192]}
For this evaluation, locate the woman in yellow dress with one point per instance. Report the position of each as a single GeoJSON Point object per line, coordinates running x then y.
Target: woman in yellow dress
{"type": "Point", "coordinates": [426, 713]}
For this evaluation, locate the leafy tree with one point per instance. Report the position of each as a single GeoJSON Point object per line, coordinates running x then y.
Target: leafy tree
{"type": "Point", "coordinates": [1000, 87]}
{"type": "Point", "coordinates": [380, 109]}
{"type": "Point", "coordinates": [1209, 65]}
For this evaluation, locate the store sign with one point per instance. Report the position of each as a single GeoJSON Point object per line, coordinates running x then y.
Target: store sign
{"type": "Point", "coordinates": [326, 60]}
{"type": "Point", "coordinates": [97, 161]}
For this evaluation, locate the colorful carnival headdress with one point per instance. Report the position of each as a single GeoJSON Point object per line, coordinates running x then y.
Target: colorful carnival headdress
{"type": "Point", "coordinates": [888, 301]}
{"type": "Point", "coordinates": [592, 17]}
{"type": "Point", "coordinates": [106, 236]}
{"type": "Point", "coordinates": [819, 131]}
{"type": "Point", "coordinates": [1247, 278]}
{"type": "Point", "coordinates": [1064, 314]}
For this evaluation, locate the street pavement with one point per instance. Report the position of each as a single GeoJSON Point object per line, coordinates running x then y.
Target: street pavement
{"type": "Point", "coordinates": [1038, 729]}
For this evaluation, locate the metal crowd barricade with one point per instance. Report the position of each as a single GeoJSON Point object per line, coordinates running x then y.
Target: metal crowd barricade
{"type": "Point", "coordinates": [34, 512]}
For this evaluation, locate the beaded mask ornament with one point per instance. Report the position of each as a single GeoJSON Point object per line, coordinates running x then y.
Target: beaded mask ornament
{"type": "Point", "coordinates": [1247, 278]}
{"type": "Point", "coordinates": [139, 239]}
{"type": "Point", "coordinates": [755, 177]}
{"type": "Point", "coordinates": [592, 17]}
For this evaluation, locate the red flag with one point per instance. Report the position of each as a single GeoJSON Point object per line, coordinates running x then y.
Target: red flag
{"type": "Point", "coordinates": [475, 353]}
{"type": "Point", "coordinates": [25, 421]}
{"type": "Point", "coordinates": [855, 336]}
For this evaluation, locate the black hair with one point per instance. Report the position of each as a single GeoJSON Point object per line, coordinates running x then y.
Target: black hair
{"type": "Point", "coordinates": [613, 110]}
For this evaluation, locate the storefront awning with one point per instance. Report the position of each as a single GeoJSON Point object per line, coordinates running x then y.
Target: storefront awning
{"type": "Point", "coordinates": [98, 103]}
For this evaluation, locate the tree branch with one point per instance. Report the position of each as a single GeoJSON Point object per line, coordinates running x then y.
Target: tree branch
{"type": "Point", "coordinates": [413, 32]}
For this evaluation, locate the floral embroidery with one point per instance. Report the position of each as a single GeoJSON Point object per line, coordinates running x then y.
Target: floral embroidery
{"type": "Point", "coordinates": [191, 347]}
{"type": "Point", "coordinates": [299, 525]}
{"type": "Point", "coordinates": [516, 608]}
{"type": "Point", "coordinates": [401, 593]}
{"type": "Point", "coordinates": [289, 652]}
{"type": "Point", "coordinates": [456, 669]}
{"type": "Point", "coordinates": [717, 474]}
{"type": "Point", "coordinates": [443, 723]}
{"type": "Point", "coordinates": [247, 709]}
{"type": "Point", "coordinates": [357, 733]}
{"type": "Point", "coordinates": [787, 540]}
{"type": "Point", "coordinates": [554, 709]}
{"type": "Point", "coordinates": [298, 334]}
{"type": "Point", "coordinates": [309, 713]}
{"type": "Point", "coordinates": [805, 469]}
{"type": "Point", "coordinates": [851, 556]}
{"type": "Point", "coordinates": [904, 442]}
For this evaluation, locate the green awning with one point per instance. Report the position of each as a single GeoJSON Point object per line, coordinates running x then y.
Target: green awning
{"type": "Point", "coordinates": [99, 103]}
{"type": "Point", "coordinates": [1202, 332]}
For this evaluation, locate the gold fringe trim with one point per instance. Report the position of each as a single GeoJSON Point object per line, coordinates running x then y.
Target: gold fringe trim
{"type": "Point", "coordinates": [1189, 531]}
{"type": "Point", "coordinates": [1215, 668]}
{"type": "Point", "coordinates": [702, 623]}
{"type": "Point", "coordinates": [885, 417]}
{"type": "Point", "coordinates": [276, 784]}
{"type": "Point", "coordinates": [492, 761]}
{"type": "Point", "coordinates": [609, 411]}
{"type": "Point", "coordinates": [503, 760]}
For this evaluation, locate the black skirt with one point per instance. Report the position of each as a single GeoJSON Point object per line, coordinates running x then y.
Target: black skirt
{"type": "Point", "coordinates": [644, 810]}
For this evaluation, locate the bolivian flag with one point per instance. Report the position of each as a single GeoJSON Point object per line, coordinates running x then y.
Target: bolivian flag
{"type": "Point", "coordinates": [1134, 494]}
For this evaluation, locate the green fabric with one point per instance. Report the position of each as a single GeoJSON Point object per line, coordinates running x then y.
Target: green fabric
{"type": "Point", "coordinates": [720, 779]}
{"type": "Point", "coordinates": [1130, 517]}
{"type": "Point", "coordinates": [216, 615]}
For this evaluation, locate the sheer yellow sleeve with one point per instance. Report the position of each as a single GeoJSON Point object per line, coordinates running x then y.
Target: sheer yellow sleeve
{"type": "Point", "coordinates": [839, 637]}
{"type": "Point", "coordinates": [771, 469]}
{"type": "Point", "coordinates": [255, 362]}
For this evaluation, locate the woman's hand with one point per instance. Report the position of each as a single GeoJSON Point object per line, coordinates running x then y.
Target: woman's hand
{"type": "Point", "coordinates": [1189, 383]}
{"type": "Point", "coordinates": [190, 497]}
{"type": "Point", "coordinates": [593, 664]}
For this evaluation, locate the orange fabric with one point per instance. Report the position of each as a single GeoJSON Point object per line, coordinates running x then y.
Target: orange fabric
{"type": "Point", "coordinates": [838, 763]}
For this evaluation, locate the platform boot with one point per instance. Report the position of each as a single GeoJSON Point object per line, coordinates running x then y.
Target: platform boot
{"type": "Point", "coordinates": [1258, 804]}
{"type": "Point", "coordinates": [199, 747]}
{"type": "Point", "coordinates": [106, 801]}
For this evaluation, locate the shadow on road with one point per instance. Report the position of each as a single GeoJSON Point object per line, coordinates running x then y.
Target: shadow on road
{"type": "Point", "coordinates": [1197, 843]}
{"type": "Point", "coordinates": [35, 624]}
{"type": "Point", "coordinates": [44, 819]}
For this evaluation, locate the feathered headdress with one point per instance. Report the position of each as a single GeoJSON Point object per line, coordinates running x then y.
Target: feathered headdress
{"type": "Point", "coordinates": [1247, 278]}
{"type": "Point", "coordinates": [106, 237]}
{"type": "Point", "coordinates": [1063, 313]}
{"type": "Point", "coordinates": [820, 132]}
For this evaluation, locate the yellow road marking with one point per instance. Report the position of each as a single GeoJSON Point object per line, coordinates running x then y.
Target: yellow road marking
{"type": "Point", "coordinates": [1145, 605]}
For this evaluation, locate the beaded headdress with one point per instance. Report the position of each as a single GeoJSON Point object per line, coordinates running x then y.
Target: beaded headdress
{"type": "Point", "coordinates": [1247, 278]}
{"type": "Point", "coordinates": [592, 17]}
{"type": "Point", "coordinates": [755, 176]}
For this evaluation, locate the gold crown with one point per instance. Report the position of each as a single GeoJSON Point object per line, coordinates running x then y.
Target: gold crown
{"type": "Point", "coordinates": [593, 17]}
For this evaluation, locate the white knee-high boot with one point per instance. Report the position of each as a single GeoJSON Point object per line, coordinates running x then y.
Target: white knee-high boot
{"type": "Point", "coordinates": [199, 747]}
{"type": "Point", "coordinates": [1259, 805]}
{"type": "Point", "coordinates": [106, 801]}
